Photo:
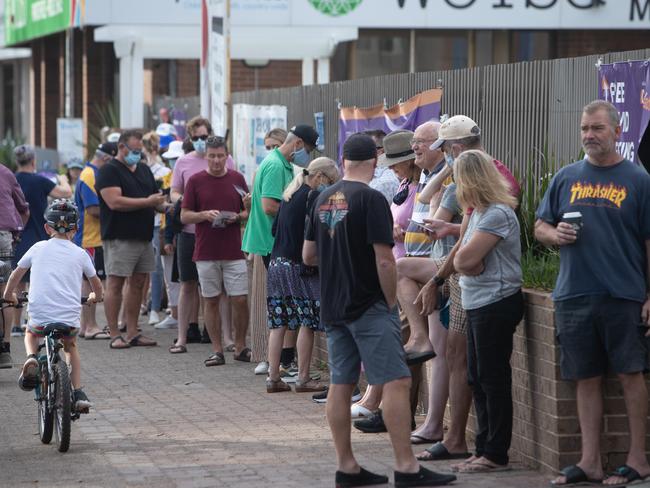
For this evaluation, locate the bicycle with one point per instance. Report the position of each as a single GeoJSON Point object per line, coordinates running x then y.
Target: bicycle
{"type": "Point", "coordinates": [53, 392]}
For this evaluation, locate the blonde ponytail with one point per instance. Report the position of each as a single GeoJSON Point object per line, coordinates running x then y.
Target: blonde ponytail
{"type": "Point", "coordinates": [319, 165]}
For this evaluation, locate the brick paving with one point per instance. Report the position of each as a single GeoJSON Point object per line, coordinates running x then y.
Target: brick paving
{"type": "Point", "coordinates": [167, 421]}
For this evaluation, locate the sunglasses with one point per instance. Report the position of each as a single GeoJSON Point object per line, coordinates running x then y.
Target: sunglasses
{"type": "Point", "coordinates": [196, 138]}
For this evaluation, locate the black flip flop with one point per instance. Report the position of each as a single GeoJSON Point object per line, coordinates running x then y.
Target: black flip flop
{"type": "Point", "coordinates": [630, 474]}
{"type": "Point", "coordinates": [575, 476]}
{"type": "Point", "coordinates": [419, 357]}
{"type": "Point", "coordinates": [438, 452]}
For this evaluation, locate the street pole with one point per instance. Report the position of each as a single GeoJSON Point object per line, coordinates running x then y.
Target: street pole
{"type": "Point", "coordinates": [69, 73]}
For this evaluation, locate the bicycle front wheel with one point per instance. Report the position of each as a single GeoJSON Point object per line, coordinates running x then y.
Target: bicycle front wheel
{"type": "Point", "coordinates": [45, 412]}
{"type": "Point", "coordinates": [62, 405]}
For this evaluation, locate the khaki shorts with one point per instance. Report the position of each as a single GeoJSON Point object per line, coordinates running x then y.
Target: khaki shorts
{"type": "Point", "coordinates": [125, 258]}
{"type": "Point", "coordinates": [219, 274]}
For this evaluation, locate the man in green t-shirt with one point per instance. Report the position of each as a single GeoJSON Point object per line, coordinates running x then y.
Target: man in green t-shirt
{"type": "Point", "coordinates": [272, 177]}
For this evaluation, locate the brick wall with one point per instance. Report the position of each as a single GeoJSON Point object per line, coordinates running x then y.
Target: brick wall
{"type": "Point", "coordinates": [277, 74]}
{"type": "Point", "coordinates": [546, 433]}
{"type": "Point", "coordinates": [572, 43]}
{"type": "Point", "coordinates": [187, 78]}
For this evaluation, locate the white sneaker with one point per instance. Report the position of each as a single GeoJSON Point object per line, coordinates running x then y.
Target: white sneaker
{"type": "Point", "coordinates": [262, 368]}
{"type": "Point", "coordinates": [153, 317]}
{"type": "Point", "coordinates": [168, 323]}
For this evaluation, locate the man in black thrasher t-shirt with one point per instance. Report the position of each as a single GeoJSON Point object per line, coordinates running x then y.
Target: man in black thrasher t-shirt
{"type": "Point", "coordinates": [349, 234]}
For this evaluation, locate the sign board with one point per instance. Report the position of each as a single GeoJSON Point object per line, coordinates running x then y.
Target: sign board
{"type": "Point", "coordinates": [319, 124]}
{"type": "Point", "coordinates": [445, 14]}
{"type": "Point", "coordinates": [250, 123]}
{"type": "Point", "coordinates": [29, 19]}
{"type": "Point", "coordinates": [624, 85]}
{"type": "Point", "coordinates": [69, 139]}
{"type": "Point", "coordinates": [215, 64]}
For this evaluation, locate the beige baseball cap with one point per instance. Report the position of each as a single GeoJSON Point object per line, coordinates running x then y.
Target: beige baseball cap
{"type": "Point", "coordinates": [454, 128]}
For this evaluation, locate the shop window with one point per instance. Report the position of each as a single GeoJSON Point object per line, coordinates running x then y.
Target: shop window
{"type": "Point", "coordinates": [381, 52]}
{"type": "Point", "coordinates": [440, 50]}
{"type": "Point", "coordinates": [530, 45]}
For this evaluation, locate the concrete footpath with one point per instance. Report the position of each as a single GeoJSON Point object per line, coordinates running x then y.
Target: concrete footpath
{"type": "Point", "coordinates": [168, 421]}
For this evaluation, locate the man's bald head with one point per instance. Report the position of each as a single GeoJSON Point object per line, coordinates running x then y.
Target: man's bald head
{"type": "Point", "coordinates": [425, 135]}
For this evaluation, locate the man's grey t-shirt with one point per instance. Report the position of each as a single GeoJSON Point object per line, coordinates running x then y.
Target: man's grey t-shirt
{"type": "Point", "coordinates": [609, 258]}
{"type": "Point", "coordinates": [501, 276]}
{"type": "Point", "coordinates": [449, 202]}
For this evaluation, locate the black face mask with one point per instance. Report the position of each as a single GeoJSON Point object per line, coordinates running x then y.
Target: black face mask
{"type": "Point", "coordinates": [401, 196]}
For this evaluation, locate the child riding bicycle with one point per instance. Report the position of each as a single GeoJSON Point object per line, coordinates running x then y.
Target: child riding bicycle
{"type": "Point", "coordinates": [57, 266]}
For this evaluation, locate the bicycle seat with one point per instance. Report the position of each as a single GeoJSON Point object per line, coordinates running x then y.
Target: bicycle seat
{"type": "Point", "coordinates": [56, 327]}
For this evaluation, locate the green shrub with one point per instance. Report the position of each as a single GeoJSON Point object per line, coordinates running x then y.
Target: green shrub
{"type": "Point", "coordinates": [7, 145]}
{"type": "Point", "coordinates": [104, 115]}
{"type": "Point", "coordinates": [540, 265]}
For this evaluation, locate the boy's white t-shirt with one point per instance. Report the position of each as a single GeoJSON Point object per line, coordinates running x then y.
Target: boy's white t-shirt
{"type": "Point", "coordinates": [57, 269]}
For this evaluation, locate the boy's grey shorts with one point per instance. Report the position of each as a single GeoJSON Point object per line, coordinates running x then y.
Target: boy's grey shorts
{"type": "Point", "coordinates": [374, 339]}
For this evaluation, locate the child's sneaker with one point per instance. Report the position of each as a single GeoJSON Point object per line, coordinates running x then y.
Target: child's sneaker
{"type": "Point", "coordinates": [28, 378]}
{"type": "Point", "coordinates": [81, 402]}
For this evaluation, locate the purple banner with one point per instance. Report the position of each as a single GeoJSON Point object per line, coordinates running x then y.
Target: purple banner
{"type": "Point", "coordinates": [408, 115]}
{"type": "Point", "coordinates": [624, 85]}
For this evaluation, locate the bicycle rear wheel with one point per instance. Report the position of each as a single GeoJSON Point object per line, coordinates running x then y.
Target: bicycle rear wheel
{"type": "Point", "coordinates": [62, 405]}
{"type": "Point", "coordinates": [45, 413]}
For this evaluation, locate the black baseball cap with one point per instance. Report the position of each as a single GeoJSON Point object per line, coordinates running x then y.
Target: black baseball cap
{"type": "Point", "coordinates": [108, 148]}
{"type": "Point", "coordinates": [307, 133]}
{"type": "Point", "coordinates": [359, 147]}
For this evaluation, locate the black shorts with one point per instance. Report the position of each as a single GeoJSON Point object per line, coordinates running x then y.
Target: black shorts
{"type": "Point", "coordinates": [185, 250]}
{"type": "Point", "coordinates": [97, 255]}
{"type": "Point", "coordinates": [599, 334]}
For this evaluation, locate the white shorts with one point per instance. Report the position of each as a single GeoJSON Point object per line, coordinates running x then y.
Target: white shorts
{"type": "Point", "coordinates": [215, 275]}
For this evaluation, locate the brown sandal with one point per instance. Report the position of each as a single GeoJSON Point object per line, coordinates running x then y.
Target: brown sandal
{"type": "Point", "coordinates": [276, 386]}
{"type": "Point", "coordinates": [177, 349]}
{"type": "Point", "coordinates": [215, 359]}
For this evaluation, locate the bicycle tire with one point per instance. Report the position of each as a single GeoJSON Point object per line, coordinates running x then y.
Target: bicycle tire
{"type": "Point", "coordinates": [45, 413]}
{"type": "Point", "coordinates": [62, 405]}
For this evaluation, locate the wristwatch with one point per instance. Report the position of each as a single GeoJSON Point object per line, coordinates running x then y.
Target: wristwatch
{"type": "Point", "coordinates": [438, 280]}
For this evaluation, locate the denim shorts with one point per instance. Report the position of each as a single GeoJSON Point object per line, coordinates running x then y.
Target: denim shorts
{"type": "Point", "coordinates": [374, 338]}
{"type": "Point", "coordinates": [599, 334]}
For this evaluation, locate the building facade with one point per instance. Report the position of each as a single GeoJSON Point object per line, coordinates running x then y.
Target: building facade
{"type": "Point", "coordinates": [79, 58]}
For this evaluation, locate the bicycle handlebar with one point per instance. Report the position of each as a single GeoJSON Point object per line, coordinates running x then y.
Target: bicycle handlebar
{"type": "Point", "coordinates": [24, 299]}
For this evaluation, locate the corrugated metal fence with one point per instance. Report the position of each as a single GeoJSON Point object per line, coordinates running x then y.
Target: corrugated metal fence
{"type": "Point", "coordinates": [527, 111]}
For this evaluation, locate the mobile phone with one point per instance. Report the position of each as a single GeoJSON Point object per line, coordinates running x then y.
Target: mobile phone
{"type": "Point", "coordinates": [421, 225]}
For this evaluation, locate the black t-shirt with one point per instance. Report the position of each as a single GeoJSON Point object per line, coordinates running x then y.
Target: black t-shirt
{"type": "Point", "coordinates": [346, 220]}
{"type": "Point", "coordinates": [289, 225]}
{"type": "Point", "coordinates": [135, 225]}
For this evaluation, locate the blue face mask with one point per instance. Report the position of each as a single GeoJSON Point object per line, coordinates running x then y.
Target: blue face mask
{"type": "Point", "coordinates": [133, 157]}
{"type": "Point", "coordinates": [199, 146]}
{"type": "Point", "coordinates": [449, 159]}
{"type": "Point", "coordinates": [322, 187]}
{"type": "Point", "coordinates": [301, 158]}
{"type": "Point", "coordinates": [172, 163]}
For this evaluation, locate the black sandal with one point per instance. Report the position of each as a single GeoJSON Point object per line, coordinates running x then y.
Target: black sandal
{"type": "Point", "coordinates": [244, 355]}
{"type": "Point", "coordinates": [215, 359]}
{"type": "Point", "coordinates": [118, 338]}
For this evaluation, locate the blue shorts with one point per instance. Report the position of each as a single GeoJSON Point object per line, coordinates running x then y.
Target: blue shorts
{"type": "Point", "coordinates": [374, 338]}
{"type": "Point", "coordinates": [599, 334]}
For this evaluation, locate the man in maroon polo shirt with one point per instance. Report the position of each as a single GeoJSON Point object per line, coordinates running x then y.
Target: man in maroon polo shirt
{"type": "Point", "coordinates": [213, 201]}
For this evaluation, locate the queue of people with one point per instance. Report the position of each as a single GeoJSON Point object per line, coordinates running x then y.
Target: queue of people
{"type": "Point", "coordinates": [414, 229]}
